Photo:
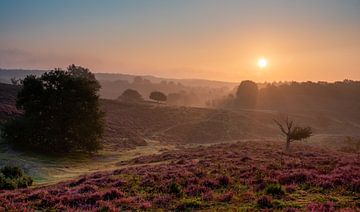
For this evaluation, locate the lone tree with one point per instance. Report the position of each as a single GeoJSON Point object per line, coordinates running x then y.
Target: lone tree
{"type": "Point", "coordinates": [293, 133]}
{"type": "Point", "coordinates": [130, 95]}
{"type": "Point", "coordinates": [247, 94]}
{"type": "Point", "coordinates": [61, 113]}
{"type": "Point", "coordinates": [158, 96]}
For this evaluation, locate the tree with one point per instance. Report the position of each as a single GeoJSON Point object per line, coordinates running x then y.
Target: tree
{"type": "Point", "coordinates": [61, 113]}
{"type": "Point", "coordinates": [293, 133]}
{"type": "Point", "coordinates": [130, 95]}
{"type": "Point", "coordinates": [246, 94]}
{"type": "Point", "coordinates": [15, 81]}
{"type": "Point", "coordinates": [158, 96]}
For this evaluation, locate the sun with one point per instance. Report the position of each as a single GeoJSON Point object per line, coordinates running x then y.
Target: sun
{"type": "Point", "coordinates": [262, 62]}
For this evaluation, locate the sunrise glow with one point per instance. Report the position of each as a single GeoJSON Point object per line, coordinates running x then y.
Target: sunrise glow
{"type": "Point", "coordinates": [262, 63]}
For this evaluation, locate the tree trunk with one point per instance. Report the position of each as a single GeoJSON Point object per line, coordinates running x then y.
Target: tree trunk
{"type": "Point", "coordinates": [288, 144]}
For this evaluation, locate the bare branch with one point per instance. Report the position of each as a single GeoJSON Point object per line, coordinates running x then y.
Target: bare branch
{"type": "Point", "coordinates": [281, 127]}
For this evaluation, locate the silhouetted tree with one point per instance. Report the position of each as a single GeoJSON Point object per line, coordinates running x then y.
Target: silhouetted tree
{"type": "Point", "coordinates": [15, 81]}
{"type": "Point", "coordinates": [130, 95]}
{"type": "Point", "coordinates": [61, 113]}
{"type": "Point", "coordinates": [246, 94]}
{"type": "Point", "coordinates": [158, 96]}
{"type": "Point", "coordinates": [293, 133]}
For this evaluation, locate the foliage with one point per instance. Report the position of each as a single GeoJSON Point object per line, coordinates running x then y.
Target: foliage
{"type": "Point", "coordinates": [293, 133]}
{"type": "Point", "coordinates": [11, 172]}
{"type": "Point", "coordinates": [12, 177]}
{"type": "Point", "coordinates": [247, 94]}
{"type": "Point", "coordinates": [158, 96]}
{"type": "Point", "coordinates": [153, 182]}
{"type": "Point", "coordinates": [61, 113]}
{"type": "Point", "coordinates": [275, 190]}
{"type": "Point", "coordinates": [175, 188]}
{"type": "Point", "coordinates": [130, 95]}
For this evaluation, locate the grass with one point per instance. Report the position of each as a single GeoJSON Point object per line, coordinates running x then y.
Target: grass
{"type": "Point", "coordinates": [49, 170]}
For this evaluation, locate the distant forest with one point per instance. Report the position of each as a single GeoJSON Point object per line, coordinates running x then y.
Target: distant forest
{"type": "Point", "coordinates": [340, 98]}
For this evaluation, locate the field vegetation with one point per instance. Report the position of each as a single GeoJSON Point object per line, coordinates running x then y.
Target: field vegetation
{"type": "Point", "coordinates": [244, 175]}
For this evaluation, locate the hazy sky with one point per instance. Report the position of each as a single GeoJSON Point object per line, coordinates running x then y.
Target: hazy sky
{"type": "Point", "coordinates": [213, 39]}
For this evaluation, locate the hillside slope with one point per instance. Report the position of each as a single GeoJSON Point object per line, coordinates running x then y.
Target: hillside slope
{"type": "Point", "coordinates": [132, 124]}
{"type": "Point", "coordinates": [129, 123]}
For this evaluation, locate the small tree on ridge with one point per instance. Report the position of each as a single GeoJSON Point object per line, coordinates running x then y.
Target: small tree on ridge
{"type": "Point", "coordinates": [292, 132]}
{"type": "Point", "coordinates": [158, 96]}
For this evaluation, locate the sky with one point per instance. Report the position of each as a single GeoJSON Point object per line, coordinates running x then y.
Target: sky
{"type": "Point", "coordinates": [211, 39]}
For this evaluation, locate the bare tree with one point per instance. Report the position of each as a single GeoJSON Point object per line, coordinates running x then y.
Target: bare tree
{"type": "Point", "coordinates": [292, 132]}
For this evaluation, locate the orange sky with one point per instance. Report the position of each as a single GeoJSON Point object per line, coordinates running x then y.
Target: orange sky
{"type": "Point", "coordinates": [302, 40]}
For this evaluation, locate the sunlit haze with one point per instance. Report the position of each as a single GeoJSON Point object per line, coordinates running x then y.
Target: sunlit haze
{"type": "Point", "coordinates": [220, 40]}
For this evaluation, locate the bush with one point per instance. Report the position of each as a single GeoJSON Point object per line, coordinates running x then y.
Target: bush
{"type": "Point", "coordinates": [11, 172]}
{"type": "Point", "coordinates": [274, 189]}
{"type": "Point", "coordinates": [174, 188]}
{"type": "Point", "coordinates": [61, 113]}
{"type": "Point", "coordinates": [24, 182]}
{"type": "Point", "coordinates": [12, 177]}
{"type": "Point", "coordinates": [158, 96]}
{"type": "Point", "coordinates": [130, 95]}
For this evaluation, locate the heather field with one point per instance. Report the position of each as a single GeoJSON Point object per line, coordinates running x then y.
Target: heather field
{"type": "Point", "coordinates": [251, 175]}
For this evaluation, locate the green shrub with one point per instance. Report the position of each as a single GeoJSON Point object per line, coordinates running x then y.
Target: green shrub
{"type": "Point", "coordinates": [24, 182]}
{"type": "Point", "coordinates": [11, 172]}
{"type": "Point", "coordinates": [6, 183]}
{"type": "Point", "coordinates": [189, 204]}
{"type": "Point", "coordinates": [12, 177]}
{"type": "Point", "coordinates": [278, 204]}
{"type": "Point", "coordinates": [274, 190]}
{"type": "Point", "coordinates": [174, 188]}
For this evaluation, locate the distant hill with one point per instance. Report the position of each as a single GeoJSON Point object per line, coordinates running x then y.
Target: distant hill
{"type": "Point", "coordinates": [133, 124]}
{"type": "Point", "coordinates": [194, 92]}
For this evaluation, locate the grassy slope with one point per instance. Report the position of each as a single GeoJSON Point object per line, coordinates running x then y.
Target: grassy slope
{"type": "Point", "coordinates": [138, 129]}
{"type": "Point", "coordinates": [220, 176]}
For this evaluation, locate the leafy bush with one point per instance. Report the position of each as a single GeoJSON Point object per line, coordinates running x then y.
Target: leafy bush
{"type": "Point", "coordinates": [61, 113]}
{"type": "Point", "coordinates": [12, 177]}
{"type": "Point", "coordinates": [175, 188]}
{"type": "Point", "coordinates": [274, 190]}
{"type": "Point", "coordinates": [130, 95]}
{"type": "Point", "coordinates": [11, 172]}
{"type": "Point", "coordinates": [158, 96]}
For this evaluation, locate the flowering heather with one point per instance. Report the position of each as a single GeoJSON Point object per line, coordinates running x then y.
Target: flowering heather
{"type": "Point", "coordinates": [209, 178]}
